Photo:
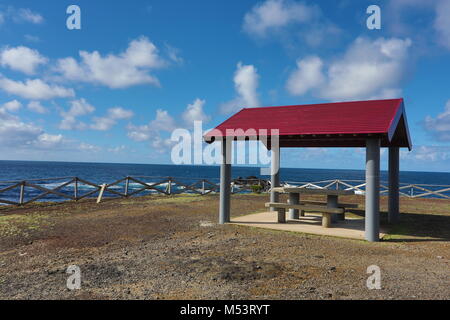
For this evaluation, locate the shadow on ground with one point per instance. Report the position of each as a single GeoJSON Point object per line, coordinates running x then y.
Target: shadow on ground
{"type": "Point", "coordinates": [414, 227]}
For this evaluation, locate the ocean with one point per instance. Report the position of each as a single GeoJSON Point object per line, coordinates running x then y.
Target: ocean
{"type": "Point", "coordinates": [99, 173]}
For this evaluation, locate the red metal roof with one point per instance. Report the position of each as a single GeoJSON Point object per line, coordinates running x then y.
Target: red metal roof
{"type": "Point", "coordinates": [341, 124]}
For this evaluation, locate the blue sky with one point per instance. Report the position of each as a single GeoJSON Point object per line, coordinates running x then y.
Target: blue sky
{"type": "Point", "coordinates": [115, 90]}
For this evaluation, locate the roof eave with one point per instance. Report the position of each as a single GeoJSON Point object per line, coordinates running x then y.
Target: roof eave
{"type": "Point", "coordinates": [394, 124]}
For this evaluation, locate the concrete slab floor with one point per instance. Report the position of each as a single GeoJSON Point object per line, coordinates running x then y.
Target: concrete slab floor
{"type": "Point", "coordinates": [352, 228]}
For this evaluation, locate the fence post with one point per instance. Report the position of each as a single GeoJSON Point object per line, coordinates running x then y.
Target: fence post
{"type": "Point", "coordinates": [337, 184]}
{"type": "Point", "coordinates": [169, 186]}
{"type": "Point", "coordinates": [76, 189]}
{"type": "Point", "coordinates": [22, 193]}
{"type": "Point", "coordinates": [102, 190]}
{"type": "Point", "coordinates": [127, 184]}
{"type": "Point", "coordinates": [203, 186]}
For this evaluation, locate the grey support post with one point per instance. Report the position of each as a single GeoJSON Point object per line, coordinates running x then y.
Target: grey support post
{"type": "Point", "coordinates": [372, 219]}
{"type": "Point", "coordinates": [275, 175]}
{"type": "Point", "coordinates": [394, 172]}
{"type": "Point", "coordinates": [281, 215]}
{"type": "Point", "coordinates": [294, 198]}
{"type": "Point", "coordinates": [332, 202]}
{"type": "Point", "coordinates": [225, 182]}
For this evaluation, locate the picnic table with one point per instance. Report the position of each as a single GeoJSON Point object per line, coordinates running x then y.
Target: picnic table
{"type": "Point", "coordinates": [331, 210]}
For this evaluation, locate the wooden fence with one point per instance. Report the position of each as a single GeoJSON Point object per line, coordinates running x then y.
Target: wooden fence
{"type": "Point", "coordinates": [75, 188]}
{"type": "Point", "coordinates": [70, 188]}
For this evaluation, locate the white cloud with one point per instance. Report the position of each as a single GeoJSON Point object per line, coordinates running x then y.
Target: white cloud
{"type": "Point", "coordinates": [307, 76]}
{"type": "Point", "coordinates": [17, 134]}
{"type": "Point", "coordinates": [26, 15]}
{"type": "Point", "coordinates": [35, 89]}
{"type": "Point", "coordinates": [163, 122]}
{"type": "Point", "coordinates": [152, 131]}
{"type": "Point", "coordinates": [427, 154]}
{"type": "Point", "coordinates": [246, 82]}
{"type": "Point", "coordinates": [161, 145]}
{"type": "Point", "coordinates": [48, 141]}
{"type": "Point", "coordinates": [22, 59]}
{"type": "Point", "coordinates": [367, 70]}
{"type": "Point", "coordinates": [313, 153]}
{"type": "Point", "coordinates": [37, 107]}
{"type": "Point", "coordinates": [5, 116]}
{"type": "Point", "coordinates": [120, 113]}
{"type": "Point", "coordinates": [139, 133]}
{"type": "Point", "coordinates": [276, 14]}
{"type": "Point", "coordinates": [117, 149]}
{"type": "Point", "coordinates": [102, 123]}
{"type": "Point", "coordinates": [14, 132]}
{"type": "Point", "coordinates": [89, 147]}
{"type": "Point", "coordinates": [320, 33]}
{"type": "Point", "coordinates": [31, 38]}
{"type": "Point", "coordinates": [194, 112]}
{"type": "Point", "coordinates": [388, 93]}
{"type": "Point", "coordinates": [107, 122]}
{"type": "Point", "coordinates": [174, 54]}
{"type": "Point", "coordinates": [398, 12]}
{"type": "Point", "coordinates": [17, 137]}
{"type": "Point", "coordinates": [126, 69]}
{"type": "Point", "coordinates": [442, 22]}
{"type": "Point", "coordinates": [22, 15]}
{"type": "Point", "coordinates": [11, 106]}
{"type": "Point", "coordinates": [292, 23]}
{"type": "Point", "coordinates": [440, 126]}
{"type": "Point", "coordinates": [78, 108]}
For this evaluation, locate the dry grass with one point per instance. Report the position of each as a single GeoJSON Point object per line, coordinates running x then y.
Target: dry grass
{"type": "Point", "coordinates": [171, 247]}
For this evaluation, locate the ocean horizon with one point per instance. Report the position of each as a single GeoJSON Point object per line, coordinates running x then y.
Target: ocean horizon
{"type": "Point", "coordinates": [100, 172]}
{"type": "Point", "coordinates": [44, 174]}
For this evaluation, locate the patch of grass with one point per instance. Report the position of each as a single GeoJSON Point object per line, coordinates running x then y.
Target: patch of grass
{"type": "Point", "coordinates": [176, 199]}
{"type": "Point", "coordinates": [351, 215]}
{"type": "Point", "coordinates": [262, 195]}
{"type": "Point", "coordinates": [37, 204]}
{"type": "Point", "coordinates": [21, 224]}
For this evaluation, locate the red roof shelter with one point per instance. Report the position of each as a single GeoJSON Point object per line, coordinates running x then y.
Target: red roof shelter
{"type": "Point", "coordinates": [342, 124]}
{"type": "Point", "coordinates": [370, 124]}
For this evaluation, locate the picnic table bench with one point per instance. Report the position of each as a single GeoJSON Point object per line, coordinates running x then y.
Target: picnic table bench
{"type": "Point", "coordinates": [331, 210]}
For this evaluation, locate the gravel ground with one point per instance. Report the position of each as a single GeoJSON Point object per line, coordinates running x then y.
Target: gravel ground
{"type": "Point", "coordinates": [172, 248]}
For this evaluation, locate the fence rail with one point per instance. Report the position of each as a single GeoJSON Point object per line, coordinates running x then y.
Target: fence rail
{"type": "Point", "coordinates": [406, 189]}
{"type": "Point", "coordinates": [75, 188]}
{"type": "Point", "coordinates": [71, 188]}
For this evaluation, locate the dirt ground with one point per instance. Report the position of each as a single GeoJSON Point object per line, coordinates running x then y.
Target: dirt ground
{"type": "Point", "coordinates": [172, 248]}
